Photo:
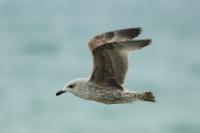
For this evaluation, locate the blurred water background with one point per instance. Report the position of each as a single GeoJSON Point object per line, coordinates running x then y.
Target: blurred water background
{"type": "Point", "coordinates": [43, 44]}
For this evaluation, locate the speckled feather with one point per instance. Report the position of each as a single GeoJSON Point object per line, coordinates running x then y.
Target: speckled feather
{"type": "Point", "coordinates": [110, 52]}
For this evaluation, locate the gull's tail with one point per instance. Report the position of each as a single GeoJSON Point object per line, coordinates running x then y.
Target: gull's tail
{"type": "Point", "coordinates": [146, 96]}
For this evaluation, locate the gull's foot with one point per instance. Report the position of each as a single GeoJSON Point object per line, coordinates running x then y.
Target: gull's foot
{"type": "Point", "coordinates": [147, 96]}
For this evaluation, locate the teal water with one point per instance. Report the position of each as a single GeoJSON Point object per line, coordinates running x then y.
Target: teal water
{"type": "Point", "coordinates": [43, 44]}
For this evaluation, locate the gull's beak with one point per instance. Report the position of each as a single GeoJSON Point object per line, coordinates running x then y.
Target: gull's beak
{"type": "Point", "coordinates": [60, 92]}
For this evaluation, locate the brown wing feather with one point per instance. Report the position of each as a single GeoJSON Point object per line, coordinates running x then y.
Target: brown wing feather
{"type": "Point", "coordinates": [111, 62]}
{"type": "Point", "coordinates": [108, 63]}
{"type": "Point", "coordinates": [114, 36]}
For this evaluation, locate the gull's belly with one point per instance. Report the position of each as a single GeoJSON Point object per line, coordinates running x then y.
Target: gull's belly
{"type": "Point", "coordinates": [107, 95]}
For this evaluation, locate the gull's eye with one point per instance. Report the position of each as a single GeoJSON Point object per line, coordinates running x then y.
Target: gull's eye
{"type": "Point", "coordinates": [71, 86]}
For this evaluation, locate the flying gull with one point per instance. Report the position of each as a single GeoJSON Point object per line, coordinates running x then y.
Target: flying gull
{"type": "Point", "coordinates": [110, 52]}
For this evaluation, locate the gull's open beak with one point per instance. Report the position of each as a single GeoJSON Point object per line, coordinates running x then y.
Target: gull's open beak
{"type": "Point", "coordinates": [60, 92]}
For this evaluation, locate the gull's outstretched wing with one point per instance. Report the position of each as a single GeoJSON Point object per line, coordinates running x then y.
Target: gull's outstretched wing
{"type": "Point", "coordinates": [110, 59]}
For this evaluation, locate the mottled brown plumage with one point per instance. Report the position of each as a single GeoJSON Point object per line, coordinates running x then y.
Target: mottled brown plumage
{"type": "Point", "coordinates": [110, 52]}
{"type": "Point", "coordinates": [114, 36]}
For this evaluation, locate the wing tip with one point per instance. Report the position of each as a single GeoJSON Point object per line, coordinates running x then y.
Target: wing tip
{"type": "Point", "coordinates": [135, 31]}
{"type": "Point", "coordinates": [147, 42]}
{"type": "Point", "coordinates": [144, 42]}
{"type": "Point", "coordinates": [138, 31]}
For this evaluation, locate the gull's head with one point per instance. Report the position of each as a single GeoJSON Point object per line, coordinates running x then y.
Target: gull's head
{"type": "Point", "coordinates": [72, 86]}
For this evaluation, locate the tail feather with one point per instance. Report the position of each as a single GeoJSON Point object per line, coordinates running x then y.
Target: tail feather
{"type": "Point", "coordinates": [147, 96]}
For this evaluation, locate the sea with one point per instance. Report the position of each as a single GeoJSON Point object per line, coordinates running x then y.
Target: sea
{"type": "Point", "coordinates": [44, 44]}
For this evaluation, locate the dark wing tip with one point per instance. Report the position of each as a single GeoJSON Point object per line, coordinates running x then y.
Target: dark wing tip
{"type": "Point", "coordinates": [146, 42]}
{"type": "Point", "coordinates": [137, 30]}
{"type": "Point", "coordinates": [130, 33]}
{"type": "Point", "coordinates": [114, 36]}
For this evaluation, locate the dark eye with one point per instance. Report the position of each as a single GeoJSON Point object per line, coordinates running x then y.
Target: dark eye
{"type": "Point", "coordinates": [71, 86]}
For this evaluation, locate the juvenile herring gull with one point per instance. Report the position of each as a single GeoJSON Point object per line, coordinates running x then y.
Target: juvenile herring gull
{"type": "Point", "coordinates": [110, 52]}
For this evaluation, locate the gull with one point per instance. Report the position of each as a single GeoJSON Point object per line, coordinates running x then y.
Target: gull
{"type": "Point", "coordinates": [110, 52]}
